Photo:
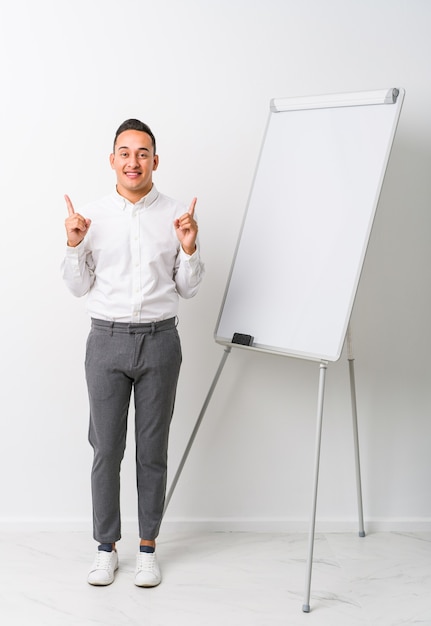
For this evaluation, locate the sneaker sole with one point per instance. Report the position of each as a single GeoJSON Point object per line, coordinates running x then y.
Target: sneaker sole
{"type": "Point", "coordinates": [147, 585]}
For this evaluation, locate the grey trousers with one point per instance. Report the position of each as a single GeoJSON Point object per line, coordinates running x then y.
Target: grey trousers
{"type": "Point", "coordinates": [119, 357]}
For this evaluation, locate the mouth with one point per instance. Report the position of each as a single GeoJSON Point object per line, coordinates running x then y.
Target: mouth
{"type": "Point", "coordinates": [132, 175]}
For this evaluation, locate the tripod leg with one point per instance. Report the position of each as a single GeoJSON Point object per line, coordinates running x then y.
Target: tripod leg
{"type": "Point", "coordinates": [306, 605]}
{"type": "Point", "coordinates": [226, 353]}
{"type": "Point", "coordinates": [351, 361]}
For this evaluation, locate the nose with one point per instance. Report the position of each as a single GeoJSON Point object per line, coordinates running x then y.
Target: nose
{"type": "Point", "coordinates": [133, 161]}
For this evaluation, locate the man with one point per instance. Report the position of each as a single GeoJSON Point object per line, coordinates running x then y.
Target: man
{"type": "Point", "coordinates": [133, 253]}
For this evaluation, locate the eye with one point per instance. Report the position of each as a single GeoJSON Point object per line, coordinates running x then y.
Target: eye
{"type": "Point", "coordinates": [123, 154]}
{"type": "Point", "coordinates": [143, 155]}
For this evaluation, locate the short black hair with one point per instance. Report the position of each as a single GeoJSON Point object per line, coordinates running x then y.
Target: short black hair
{"type": "Point", "coordinates": [133, 124]}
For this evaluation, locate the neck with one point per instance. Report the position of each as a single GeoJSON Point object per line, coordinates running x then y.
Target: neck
{"type": "Point", "coordinates": [133, 196]}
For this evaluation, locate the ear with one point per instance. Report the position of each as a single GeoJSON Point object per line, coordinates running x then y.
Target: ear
{"type": "Point", "coordinates": [155, 162]}
{"type": "Point", "coordinates": [111, 160]}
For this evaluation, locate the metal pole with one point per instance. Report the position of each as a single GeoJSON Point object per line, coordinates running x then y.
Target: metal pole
{"type": "Point", "coordinates": [322, 377]}
{"type": "Point", "coordinates": [351, 361]}
{"type": "Point", "coordinates": [226, 353]}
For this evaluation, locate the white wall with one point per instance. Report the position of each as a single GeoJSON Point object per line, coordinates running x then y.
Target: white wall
{"type": "Point", "coordinates": [201, 73]}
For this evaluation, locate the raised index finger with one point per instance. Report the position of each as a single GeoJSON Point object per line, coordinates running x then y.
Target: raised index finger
{"type": "Point", "coordinates": [191, 210]}
{"type": "Point", "coordinates": [69, 205]}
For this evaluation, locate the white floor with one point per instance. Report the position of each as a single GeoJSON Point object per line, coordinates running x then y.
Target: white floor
{"type": "Point", "coordinates": [220, 579]}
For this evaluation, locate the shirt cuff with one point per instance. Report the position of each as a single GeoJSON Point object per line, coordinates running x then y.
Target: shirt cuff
{"type": "Point", "coordinates": [76, 251]}
{"type": "Point", "coordinates": [193, 259]}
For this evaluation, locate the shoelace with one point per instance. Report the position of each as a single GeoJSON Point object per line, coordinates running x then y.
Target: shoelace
{"type": "Point", "coordinates": [103, 560]}
{"type": "Point", "coordinates": [145, 561]}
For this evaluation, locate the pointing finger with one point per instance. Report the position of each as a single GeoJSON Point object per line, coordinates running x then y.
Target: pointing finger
{"type": "Point", "coordinates": [192, 206]}
{"type": "Point", "coordinates": [69, 205]}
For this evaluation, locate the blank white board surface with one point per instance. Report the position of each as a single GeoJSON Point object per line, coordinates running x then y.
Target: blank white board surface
{"type": "Point", "coordinates": [308, 221]}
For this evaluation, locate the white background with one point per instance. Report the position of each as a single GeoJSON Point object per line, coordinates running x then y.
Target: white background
{"type": "Point", "coordinates": [201, 74]}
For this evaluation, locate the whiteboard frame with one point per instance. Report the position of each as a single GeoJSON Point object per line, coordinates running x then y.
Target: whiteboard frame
{"type": "Point", "coordinates": [392, 97]}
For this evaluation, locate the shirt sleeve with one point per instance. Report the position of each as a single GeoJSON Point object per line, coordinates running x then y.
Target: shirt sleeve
{"type": "Point", "coordinates": [189, 271]}
{"type": "Point", "coordinates": [78, 270]}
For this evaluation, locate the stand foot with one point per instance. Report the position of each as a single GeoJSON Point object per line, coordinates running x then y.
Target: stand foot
{"type": "Point", "coordinates": [361, 533]}
{"type": "Point", "coordinates": [306, 608]}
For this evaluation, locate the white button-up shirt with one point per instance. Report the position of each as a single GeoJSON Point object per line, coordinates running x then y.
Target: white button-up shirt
{"type": "Point", "coordinates": [131, 264]}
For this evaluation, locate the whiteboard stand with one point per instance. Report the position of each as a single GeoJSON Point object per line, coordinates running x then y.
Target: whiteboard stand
{"type": "Point", "coordinates": [320, 405]}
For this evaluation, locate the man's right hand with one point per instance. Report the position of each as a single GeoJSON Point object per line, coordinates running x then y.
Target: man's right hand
{"type": "Point", "coordinates": [76, 225]}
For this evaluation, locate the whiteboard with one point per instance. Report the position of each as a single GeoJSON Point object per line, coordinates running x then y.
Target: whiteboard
{"type": "Point", "coordinates": [308, 221]}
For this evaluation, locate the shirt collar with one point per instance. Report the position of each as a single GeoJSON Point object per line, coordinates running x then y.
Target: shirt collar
{"type": "Point", "coordinates": [144, 202]}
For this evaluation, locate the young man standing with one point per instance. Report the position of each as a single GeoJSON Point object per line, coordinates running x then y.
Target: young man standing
{"type": "Point", "coordinates": [133, 253]}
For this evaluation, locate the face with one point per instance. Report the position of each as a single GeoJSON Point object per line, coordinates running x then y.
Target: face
{"type": "Point", "coordinates": [134, 162]}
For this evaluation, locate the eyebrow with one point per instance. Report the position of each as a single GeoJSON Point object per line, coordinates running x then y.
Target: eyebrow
{"type": "Point", "coordinates": [127, 148]}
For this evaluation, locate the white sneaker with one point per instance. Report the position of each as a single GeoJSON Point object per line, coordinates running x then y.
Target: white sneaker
{"type": "Point", "coordinates": [104, 567]}
{"type": "Point", "coordinates": [147, 573]}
